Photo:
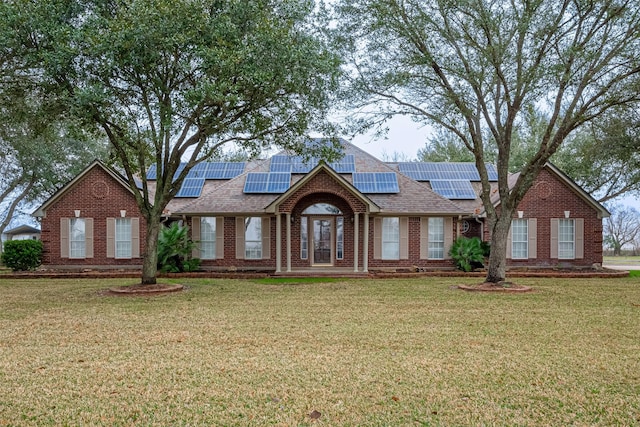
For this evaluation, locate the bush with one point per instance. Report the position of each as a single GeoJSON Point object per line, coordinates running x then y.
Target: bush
{"type": "Point", "coordinates": [468, 253]}
{"type": "Point", "coordinates": [22, 255]}
{"type": "Point", "coordinates": [174, 250]}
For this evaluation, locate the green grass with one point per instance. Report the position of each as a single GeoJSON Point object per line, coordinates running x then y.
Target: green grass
{"type": "Point", "coordinates": [360, 352]}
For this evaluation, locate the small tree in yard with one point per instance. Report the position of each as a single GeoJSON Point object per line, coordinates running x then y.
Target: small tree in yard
{"type": "Point", "coordinates": [168, 81]}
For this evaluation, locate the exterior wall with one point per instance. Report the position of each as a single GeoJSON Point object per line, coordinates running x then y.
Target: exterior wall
{"type": "Point", "coordinates": [414, 259]}
{"type": "Point", "coordinates": [99, 196]}
{"type": "Point", "coordinates": [549, 198]}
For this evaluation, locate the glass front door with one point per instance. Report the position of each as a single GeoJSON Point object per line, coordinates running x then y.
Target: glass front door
{"type": "Point", "coordinates": [322, 241]}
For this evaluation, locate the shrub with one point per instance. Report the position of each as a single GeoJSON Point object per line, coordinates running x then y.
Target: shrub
{"type": "Point", "coordinates": [22, 255]}
{"type": "Point", "coordinates": [174, 250]}
{"type": "Point", "coordinates": [467, 253]}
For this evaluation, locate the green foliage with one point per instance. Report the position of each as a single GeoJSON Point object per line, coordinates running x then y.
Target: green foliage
{"type": "Point", "coordinates": [174, 250]}
{"type": "Point", "coordinates": [22, 255]}
{"type": "Point", "coordinates": [467, 253]}
{"type": "Point", "coordinates": [174, 80]}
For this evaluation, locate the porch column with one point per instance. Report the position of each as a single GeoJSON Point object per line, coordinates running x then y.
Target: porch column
{"type": "Point", "coordinates": [288, 242]}
{"type": "Point", "coordinates": [278, 242]}
{"type": "Point", "coordinates": [355, 241]}
{"type": "Point", "coordinates": [365, 249]}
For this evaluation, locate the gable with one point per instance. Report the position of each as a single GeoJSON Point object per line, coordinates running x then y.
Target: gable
{"type": "Point", "coordinates": [95, 187]}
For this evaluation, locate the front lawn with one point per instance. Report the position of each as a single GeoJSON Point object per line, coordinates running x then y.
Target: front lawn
{"type": "Point", "coordinates": [358, 352]}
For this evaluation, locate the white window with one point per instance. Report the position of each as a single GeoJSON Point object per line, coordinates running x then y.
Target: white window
{"type": "Point", "coordinates": [436, 238]}
{"type": "Point", "coordinates": [519, 239]}
{"type": "Point", "coordinates": [304, 238]}
{"type": "Point", "coordinates": [566, 239]}
{"type": "Point", "coordinates": [77, 246]}
{"type": "Point", "coordinates": [339, 237]}
{"type": "Point", "coordinates": [208, 238]}
{"type": "Point", "coordinates": [390, 238]}
{"type": "Point", "coordinates": [123, 238]}
{"type": "Point", "coordinates": [253, 238]}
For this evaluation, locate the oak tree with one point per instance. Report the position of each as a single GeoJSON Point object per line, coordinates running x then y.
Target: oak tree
{"type": "Point", "coordinates": [472, 67]}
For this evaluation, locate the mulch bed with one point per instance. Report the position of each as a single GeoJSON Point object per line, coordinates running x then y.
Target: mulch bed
{"type": "Point", "coordinates": [157, 288]}
{"type": "Point", "coordinates": [507, 287]}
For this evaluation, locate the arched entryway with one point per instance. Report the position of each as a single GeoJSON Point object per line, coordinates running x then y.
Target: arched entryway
{"type": "Point", "coordinates": [322, 234]}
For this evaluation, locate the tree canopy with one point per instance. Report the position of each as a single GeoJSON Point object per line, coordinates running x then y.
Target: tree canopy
{"type": "Point", "coordinates": [173, 80]}
{"type": "Point", "coordinates": [474, 67]}
{"type": "Point", "coordinates": [41, 146]}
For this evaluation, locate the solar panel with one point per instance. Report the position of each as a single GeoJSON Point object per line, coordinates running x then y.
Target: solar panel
{"type": "Point", "coordinates": [223, 170]}
{"type": "Point", "coordinates": [280, 163]}
{"type": "Point", "coordinates": [376, 182]}
{"type": "Point", "coordinates": [191, 187]}
{"type": "Point", "coordinates": [298, 164]}
{"type": "Point", "coordinates": [207, 170]}
{"type": "Point", "coordinates": [427, 171]}
{"type": "Point", "coordinates": [345, 165]}
{"type": "Point", "coordinates": [455, 189]}
{"type": "Point", "coordinates": [267, 182]}
{"type": "Point", "coordinates": [152, 172]}
{"type": "Point", "coordinates": [198, 171]}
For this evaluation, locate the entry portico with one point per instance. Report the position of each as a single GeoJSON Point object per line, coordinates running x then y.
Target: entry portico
{"type": "Point", "coordinates": [324, 217]}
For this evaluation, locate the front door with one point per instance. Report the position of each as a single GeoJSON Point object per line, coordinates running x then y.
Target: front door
{"type": "Point", "coordinates": [322, 241]}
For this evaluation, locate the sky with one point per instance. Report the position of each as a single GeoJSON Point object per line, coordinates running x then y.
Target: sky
{"type": "Point", "coordinates": [407, 137]}
{"type": "Point", "coordinates": [404, 137]}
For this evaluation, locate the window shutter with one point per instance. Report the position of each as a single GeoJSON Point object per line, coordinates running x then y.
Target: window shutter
{"type": "Point", "coordinates": [111, 237]}
{"type": "Point", "coordinates": [579, 230]}
{"type": "Point", "coordinates": [266, 238]}
{"type": "Point", "coordinates": [404, 238]}
{"type": "Point", "coordinates": [377, 238]}
{"type": "Point", "coordinates": [219, 237]}
{"type": "Point", "coordinates": [554, 238]}
{"type": "Point", "coordinates": [88, 237]}
{"type": "Point", "coordinates": [424, 238]}
{"type": "Point", "coordinates": [239, 237]}
{"type": "Point", "coordinates": [135, 237]}
{"type": "Point", "coordinates": [533, 238]}
{"type": "Point", "coordinates": [510, 242]}
{"type": "Point", "coordinates": [195, 236]}
{"type": "Point", "coordinates": [448, 236]}
{"type": "Point", "coordinates": [64, 237]}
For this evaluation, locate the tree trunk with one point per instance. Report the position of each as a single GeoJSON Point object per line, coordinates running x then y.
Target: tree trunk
{"type": "Point", "coordinates": [150, 258]}
{"type": "Point", "coordinates": [496, 272]}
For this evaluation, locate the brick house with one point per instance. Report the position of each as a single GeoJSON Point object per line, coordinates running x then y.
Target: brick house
{"type": "Point", "coordinates": [359, 214]}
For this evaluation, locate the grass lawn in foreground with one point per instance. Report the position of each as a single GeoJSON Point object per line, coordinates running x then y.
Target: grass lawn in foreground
{"type": "Point", "coordinates": [360, 352]}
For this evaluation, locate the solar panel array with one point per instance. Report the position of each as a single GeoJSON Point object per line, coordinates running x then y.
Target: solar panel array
{"type": "Point", "coordinates": [298, 164]}
{"type": "Point", "coordinates": [267, 182]}
{"type": "Point", "coordinates": [376, 182]}
{"type": "Point", "coordinates": [206, 170]}
{"type": "Point", "coordinates": [454, 189]}
{"type": "Point", "coordinates": [427, 171]}
{"type": "Point", "coordinates": [194, 182]}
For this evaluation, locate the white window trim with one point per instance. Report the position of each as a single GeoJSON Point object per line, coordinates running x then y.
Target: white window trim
{"type": "Point", "coordinates": [119, 239]}
{"type": "Point", "coordinates": [525, 241]}
{"type": "Point", "coordinates": [83, 240]}
{"type": "Point", "coordinates": [204, 239]}
{"type": "Point", "coordinates": [572, 241]}
{"type": "Point", "coordinates": [390, 239]}
{"type": "Point", "coordinates": [249, 254]}
{"type": "Point", "coordinates": [440, 242]}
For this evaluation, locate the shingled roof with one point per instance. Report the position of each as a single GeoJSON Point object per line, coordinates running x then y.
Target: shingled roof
{"type": "Point", "coordinates": [229, 197]}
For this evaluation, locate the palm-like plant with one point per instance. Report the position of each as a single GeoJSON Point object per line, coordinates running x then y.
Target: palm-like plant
{"type": "Point", "coordinates": [174, 249]}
